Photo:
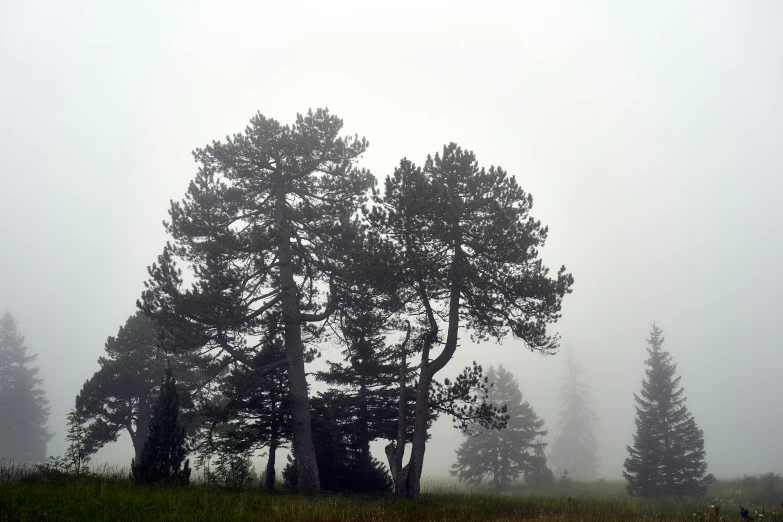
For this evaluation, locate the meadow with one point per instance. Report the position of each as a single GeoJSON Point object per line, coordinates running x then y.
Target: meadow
{"type": "Point", "coordinates": [27, 494]}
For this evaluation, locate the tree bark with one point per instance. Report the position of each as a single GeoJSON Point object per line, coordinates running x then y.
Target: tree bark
{"type": "Point", "coordinates": [395, 452]}
{"type": "Point", "coordinates": [269, 483]}
{"type": "Point", "coordinates": [142, 425]}
{"type": "Point", "coordinates": [304, 452]}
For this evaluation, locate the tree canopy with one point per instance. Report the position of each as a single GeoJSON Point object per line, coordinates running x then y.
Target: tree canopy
{"type": "Point", "coordinates": [468, 250]}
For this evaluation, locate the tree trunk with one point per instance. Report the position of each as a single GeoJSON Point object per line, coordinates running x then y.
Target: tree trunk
{"type": "Point", "coordinates": [428, 370]}
{"type": "Point", "coordinates": [420, 418]}
{"type": "Point", "coordinates": [142, 425]}
{"type": "Point", "coordinates": [303, 449]}
{"type": "Point", "coordinates": [395, 452]}
{"type": "Point", "coordinates": [270, 467]}
{"type": "Point", "coordinates": [363, 442]}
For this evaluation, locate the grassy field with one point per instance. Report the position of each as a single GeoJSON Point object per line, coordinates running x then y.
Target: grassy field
{"type": "Point", "coordinates": [36, 497]}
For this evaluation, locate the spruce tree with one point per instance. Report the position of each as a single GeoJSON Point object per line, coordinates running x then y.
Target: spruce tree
{"type": "Point", "coordinates": [504, 454]}
{"type": "Point", "coordinates": [575, 447]}
{"type": "Point", "coordinates": [365, 385]}
{"type": "Point", "coordinates": [253, 406]}
{"type": "Point", "coordinates": [24, 410]}
{"type": "Point", "coordinates": [667, 456]}
{"type": "Point", "coordinates": [163, 452]}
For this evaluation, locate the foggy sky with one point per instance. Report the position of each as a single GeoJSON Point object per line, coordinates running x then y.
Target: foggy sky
{"type": "Point", "coordinates": [648, 133]}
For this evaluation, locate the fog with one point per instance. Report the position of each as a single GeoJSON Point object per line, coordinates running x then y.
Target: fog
{"type": "Point", "coordinates": [648, 134]}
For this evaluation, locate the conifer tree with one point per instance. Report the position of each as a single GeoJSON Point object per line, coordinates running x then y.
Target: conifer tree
{"type": "Point", "coordinates": [253, 406]}
{"type": "Point", "coordinates": [24, 410]}
{"type": "Point", "coordinates": [121, 394]}
{"type": "Point", "coordinates": [667, 456]}
{"type": "Point", "coordinates": [163, 452]}
{"type": "Point", "coordinates": [575, 447]}
{"type": "Point", "coordinates": [365, 385]}
{"type": "Point", "coordinates": [469, 251]}
{"type": "Point", "coordinates": [504, 454]}
{"type": "Point", "coordinates": [266, 222]}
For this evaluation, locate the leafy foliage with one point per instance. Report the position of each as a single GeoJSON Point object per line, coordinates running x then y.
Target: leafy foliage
{"type": "Point", "coordinates": [667, 456]}
{"type": "Point", "coordinates": [225, 460]}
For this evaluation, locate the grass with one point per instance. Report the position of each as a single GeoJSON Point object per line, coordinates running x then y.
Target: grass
{"type": "Point", "coordinates": [28, 495]}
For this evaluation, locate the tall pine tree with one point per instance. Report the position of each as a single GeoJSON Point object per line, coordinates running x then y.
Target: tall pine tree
{"type": "Point", "coordinates": [267, 222]}
{"type": "Point", "coordinates": [469, 251]}
{"type": "Point", "coordinates": [24, 410]}
{"type": "Point", "coordinates": [667, 456]}
{"type": "Point", "coordinates": [575, 447]}
{"type": "Point", "coordinates": [503, 454]}
{"type": "Point", "coordinates": [163, 452]}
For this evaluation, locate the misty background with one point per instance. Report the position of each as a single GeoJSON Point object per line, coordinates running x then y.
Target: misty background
{"type": "Point", "coordinates": [649, 136]}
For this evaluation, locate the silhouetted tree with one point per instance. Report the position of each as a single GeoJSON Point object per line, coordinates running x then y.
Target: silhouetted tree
{"type": "Point", "coordinates": [469, 256]}
{"type": "Point", "coordinates": [507, 453]}
{"type": "Point", "coordinates": [24, 410]}
{"type": "Point", "coordinates": [667, 456]}
{"type": "Point", "coordinates": [575, 448]}
{"type": "Point", "coordinates": [364, 385]}
{"type": "Point", "coordinates": [254, 405]}
{"type": "Point", "coordinates": [268, 221]}
{"type": "Point", "coordinates": [164, 450]}
{"type": "Point", "coordinates": [121, 394]}
{"type": "Point", "coordinates": [340, 462]}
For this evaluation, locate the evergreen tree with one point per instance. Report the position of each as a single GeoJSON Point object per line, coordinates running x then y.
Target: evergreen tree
{"type": "Point", "coordinates": [667, 456]}
{"type": "Point", "coordinates": [253, 404]}
{"type": "Point", "coordinates": [341, 465]}
{"type": "Point", "coordinates": [575, 448]}
{"type": "Point", "coordinates": [24, 410]}
{"type": "Point", "coordinates": [507, 453]}
{"type": "Point", "coordinates": [267, 222]}
{"type": "Point", "coordinates": [468, 249]}
{"type": "Point", "coordinates": [364, 385]}
{"type": "Point", "coordinates": [163, 452]}
{"type": "Point", "coordinates": [121, 394]}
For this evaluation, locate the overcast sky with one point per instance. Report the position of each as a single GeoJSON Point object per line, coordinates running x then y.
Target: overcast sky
{"type": "Point", "coordinates": [649, 134]}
